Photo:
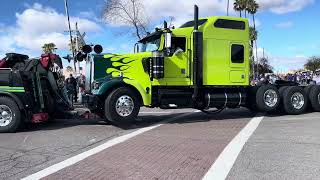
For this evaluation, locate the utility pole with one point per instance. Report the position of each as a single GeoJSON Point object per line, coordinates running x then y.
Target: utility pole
{"type": "Point", "coordinates": [79, 43]}
{"type": "Point", "coordinates": [70, 33]}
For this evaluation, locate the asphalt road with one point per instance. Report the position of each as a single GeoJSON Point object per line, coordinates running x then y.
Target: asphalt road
{"type": "Point", "coordinates": [41, 145]}
{"type": "Point", "coordinates": [282, 147]}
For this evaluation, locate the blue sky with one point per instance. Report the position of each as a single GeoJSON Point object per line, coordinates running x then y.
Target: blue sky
{"type": "Point", "coordinates": [288, 29]}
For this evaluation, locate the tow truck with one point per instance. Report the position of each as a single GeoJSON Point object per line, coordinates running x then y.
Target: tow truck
{"type": "Point", "coordinates": [203, 64]}
{"type": "Point", "coordinates": [30, 91]}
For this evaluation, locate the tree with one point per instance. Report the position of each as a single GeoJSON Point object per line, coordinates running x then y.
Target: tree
{"type": "Point", "coordinates": [252, 8]}
{"type": "Point", "coordinates": [240, 5]}
{"type": "Point", "coordinates": [313, 63]}
{"type": "Point", "coordinates": [49, 48]}
{"type": "Point", "coordinates": [253, 35]}
{"type": "Point", "coordinates": [264, 66]}
{"type": "Point", "coordinates": [237, 7]}
{"type": "Point", "coordinates": [127, 12]}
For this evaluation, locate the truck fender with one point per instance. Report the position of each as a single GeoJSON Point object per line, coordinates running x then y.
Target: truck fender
{"type": "Point", "coordinates": [146, 98]}
{"type": "Point", "coordinates": [14, 97]}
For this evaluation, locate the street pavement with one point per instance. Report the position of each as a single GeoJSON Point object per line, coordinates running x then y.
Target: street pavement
{"type": "Point", "coordinates": [184, 145]}
{"type": "Point", "coordinates": [283, 147]}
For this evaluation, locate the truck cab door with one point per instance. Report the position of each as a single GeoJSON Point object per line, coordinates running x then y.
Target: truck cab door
{"type": "Point", "coordinates": [176, 64]}
{"type": "Point", "coordinates": [237, 63]}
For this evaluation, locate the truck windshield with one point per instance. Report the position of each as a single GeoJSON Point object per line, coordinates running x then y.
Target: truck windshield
{"type": "Point", "coordinates": [191, 23]}
{"type": "Point", "coordinates": [151, 42]}
{"type": "Point", "coordinates": [148, 46]}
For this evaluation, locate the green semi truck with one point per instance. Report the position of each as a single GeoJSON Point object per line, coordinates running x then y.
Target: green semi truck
{"type": "Point", "coordinates": [203, 64]}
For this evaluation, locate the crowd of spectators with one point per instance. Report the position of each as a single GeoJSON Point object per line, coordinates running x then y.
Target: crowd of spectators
{"type": "Point", "coordinates": [301, 77]}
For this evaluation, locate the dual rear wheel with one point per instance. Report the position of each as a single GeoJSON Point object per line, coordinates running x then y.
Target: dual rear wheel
{"type": "Point", "coordinates": [294, 100]}
{"type": "Point", "coordinates": [289, 99]}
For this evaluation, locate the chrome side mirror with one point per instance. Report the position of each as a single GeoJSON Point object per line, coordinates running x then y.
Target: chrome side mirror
{"type": "Point", "coordinates": [167, 40]}
{"type": "Point", "coordinates": [178, 51]}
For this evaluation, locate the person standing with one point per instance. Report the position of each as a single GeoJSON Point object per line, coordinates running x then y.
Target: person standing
{"type": "Point", "coordinates": [82, 83]}
{"type": "Point", "coordinates": [71, 84]}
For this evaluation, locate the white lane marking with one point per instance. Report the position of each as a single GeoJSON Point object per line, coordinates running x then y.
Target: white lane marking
{"type": "Point", "coordinates": [68, 162]}
{"type": "Point", "coordinates": [222, 166]}
{"type": "Point", "coordinates": [293, 118]}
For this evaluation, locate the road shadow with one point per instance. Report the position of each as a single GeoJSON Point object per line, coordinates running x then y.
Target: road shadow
{"type": "Point", "coordinates": [151, 119]}
{"type": "Point", "coordinates": [191, 117]}
{"type": "Point", "coordinates": [225, 115]}
{"type": "Point", "coordinates": [62, 123]}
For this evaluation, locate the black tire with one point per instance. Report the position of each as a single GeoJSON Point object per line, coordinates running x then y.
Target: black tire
{"type": "Point", "coordinates": [308, 88]}
{"type": "Point", "coordinates": [110, 106]}
{"type": "Point", "coordinates": [287, 104]}
{"type": "Point", "coordinates": [307, 91]}
{"type": "Point", "coordinates": [251, 100]}
{"type": "Point", "coordinates": [281, 91]}
{"type": "Point", "coordinates": [15, 123]}
{"type": "Point", "coordinates": [261, 102]}
{"type": "Point", "coordinates": [314, 98]}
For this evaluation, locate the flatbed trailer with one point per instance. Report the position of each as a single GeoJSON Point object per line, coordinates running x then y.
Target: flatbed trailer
{"type": "Point", "coordinates": [203, 64]}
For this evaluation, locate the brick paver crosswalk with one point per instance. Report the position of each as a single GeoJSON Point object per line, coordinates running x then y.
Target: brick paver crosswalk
{"type": "Point", "coordinates": [177, 150]}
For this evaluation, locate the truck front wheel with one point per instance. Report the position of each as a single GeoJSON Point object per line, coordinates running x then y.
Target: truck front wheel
{"type": "Point", "coordinates": [10, 116]}
{"type": "Point", "coordinates": [122, 105]}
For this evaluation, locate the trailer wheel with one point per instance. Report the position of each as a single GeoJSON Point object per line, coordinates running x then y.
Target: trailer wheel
{"type": "Point", "coordinates": [10, 116]}
{"type": "Point", "coordinates": [281, 92]}
{"type": "Point", "coordinates": [267, 98]}
{"type": "Point", "coordinates": [307, 89]}
{"type": "Point", "coordinates": [122, 105]}
{"type": "Point", "coordinates": [294, 100]}
{"type": "Point", "coordinates": [314, 98]}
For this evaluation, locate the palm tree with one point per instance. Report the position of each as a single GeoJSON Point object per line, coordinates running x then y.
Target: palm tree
{"type": "Point", "coordinates": [253, 34]}
{"type": "Point", "coordinates": [49, 48]}
{"type": "Point", "coordinates": [237, 6]}
{"type": "Point", "coordinates": [240, 5]}
{"type": "Point", "coordinates": [252, 8]}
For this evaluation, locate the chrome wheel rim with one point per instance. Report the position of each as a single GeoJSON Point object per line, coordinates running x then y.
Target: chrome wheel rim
{"type": "Point", "coordinates": [270, 98]}
{"type": "Point", "coordinates": [297, 100]}
{"type": "Point", "coordinates": [6, 115]}
{"type": "Point", "coordinates": [124, 106]}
